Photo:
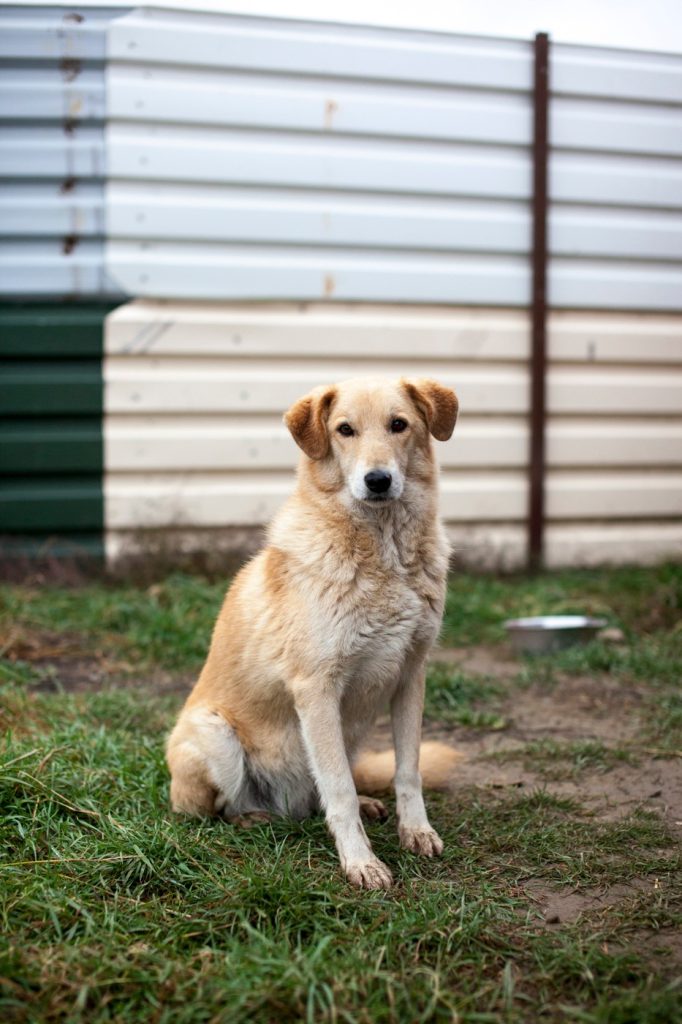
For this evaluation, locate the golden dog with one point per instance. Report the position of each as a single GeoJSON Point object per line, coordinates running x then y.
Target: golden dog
{"type": "Point", "coordinates": [335, 616]}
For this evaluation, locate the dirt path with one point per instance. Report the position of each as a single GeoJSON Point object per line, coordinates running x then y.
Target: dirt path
{"type": "Point", "coordinates": [579, 710]}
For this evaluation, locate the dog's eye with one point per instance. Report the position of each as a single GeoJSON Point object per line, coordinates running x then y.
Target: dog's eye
{"type": "Point", "coordinates": [345, 429]}
{"type": "Point", "coordinates": [398, 425]}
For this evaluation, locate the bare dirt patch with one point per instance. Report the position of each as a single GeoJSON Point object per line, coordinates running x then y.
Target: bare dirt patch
{"type": "Point", "coordinates": [603, 907]}
{"type": "Point", "coordinates": [564, 906]}
{"type": "Point", "coordinates": [64, 663]}
{"type": "Point", "coordinates": [596, 709]}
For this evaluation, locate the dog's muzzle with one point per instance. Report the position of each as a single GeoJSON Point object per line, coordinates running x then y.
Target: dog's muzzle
{"type": "Point", "coordinates": [376, 486]}
{"type": "Point", "coordinates": [378, 481]}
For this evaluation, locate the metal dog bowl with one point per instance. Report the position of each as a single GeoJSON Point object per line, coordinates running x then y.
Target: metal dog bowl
{"type": "Point", "coordinates": [544, 634]}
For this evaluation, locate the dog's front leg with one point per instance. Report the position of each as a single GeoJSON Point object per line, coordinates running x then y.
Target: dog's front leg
{"type": "Point", "coordinates": [407, 708]}
{"type": "Point", "coordinates": [323, 738]}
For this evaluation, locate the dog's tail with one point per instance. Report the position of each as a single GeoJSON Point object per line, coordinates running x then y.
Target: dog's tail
{"type": "Point", "coordinates": [374, 772]}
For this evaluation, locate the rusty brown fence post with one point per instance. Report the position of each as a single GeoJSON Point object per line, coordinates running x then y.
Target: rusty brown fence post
{"type": "Point", "coordinates": [538, 364]}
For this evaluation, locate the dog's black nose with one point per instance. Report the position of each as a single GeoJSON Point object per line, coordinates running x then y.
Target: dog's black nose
{"type": "Point", "coordinates": [378, 481]}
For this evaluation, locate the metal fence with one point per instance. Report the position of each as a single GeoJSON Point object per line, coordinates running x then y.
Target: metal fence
{"type": "Point", "coordinates": [253, 158]}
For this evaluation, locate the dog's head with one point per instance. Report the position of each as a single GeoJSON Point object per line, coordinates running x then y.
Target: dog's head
{"type": "Point", "coordinates": [369, 438]}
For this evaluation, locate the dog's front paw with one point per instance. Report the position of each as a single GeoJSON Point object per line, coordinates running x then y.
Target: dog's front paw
{"type": "Point", "coordinates": [424, 841]}
{"type": "Point", "coordinates": [369, 874]}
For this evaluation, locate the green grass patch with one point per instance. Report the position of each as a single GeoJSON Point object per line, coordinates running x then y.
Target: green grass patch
{"type": "Point", "coordinates": [640, 600]}
{"type": "Point", "coordinates": [111, 909]}
{"type": "Point", "coordinates": [655, 660]}
{"type": "Point", "coordinates": [168, 624]}
{"type": "Point", "coordinates": [458, 697]}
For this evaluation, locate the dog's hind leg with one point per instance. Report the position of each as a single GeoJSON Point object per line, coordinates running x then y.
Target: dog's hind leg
{"type": "Point", "coordinates": [208, 766]}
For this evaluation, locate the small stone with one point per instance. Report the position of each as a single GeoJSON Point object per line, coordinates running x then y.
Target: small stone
{"type": "Point", "coordinates": [612, 635]}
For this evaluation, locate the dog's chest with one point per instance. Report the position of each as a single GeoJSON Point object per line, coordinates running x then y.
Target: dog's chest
{"type": "Point", "coordinates": [388, 613]}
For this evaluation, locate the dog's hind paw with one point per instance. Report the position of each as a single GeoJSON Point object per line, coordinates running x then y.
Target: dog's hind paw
{"type": "Point", "coordinates": [424, 841]}
{"type": "Point", "coordinates": [250, 819]}
{"type": "Point", "coordinates": [370, 874]}
{"type": "Point", "coordinates": [372, 809]}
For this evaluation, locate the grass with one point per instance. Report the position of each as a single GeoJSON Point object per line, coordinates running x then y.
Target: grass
{"type": "Point", "coordinates": [640, 600]}
{"type": "Point", "coordinates": [111, 909]}
{"type": "Point", "coordinates": [455, 697]}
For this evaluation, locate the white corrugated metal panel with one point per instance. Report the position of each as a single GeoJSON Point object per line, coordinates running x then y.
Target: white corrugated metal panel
{"type": "Point", "coordinates": [142, 93]}
{"type": "Point", "coordinates": [199, 270]}
{"type": "Point", "coordinates": [55, 34]}
{"type": "Point", "coordinates": [194, 395]}
{"type": "Point", "coordinates": [584, 337]}
{"type": "Point", "coordinates": [51, 155]}
{"type": "Point", "coordinates": [354, 163]}
{"type": "Point", "coordinates": [75, 209]}
{"type": "Point", "coordinates": [344, 51]}
{"type": "Point", "coordinates": [323, 331]}
{"type": "Point", "coordinates": [615, 181]}
{"type": "Point", "coordinates": [52, 151]}
{"type": "Point", "coordinates": [179, 211]}
{"type": "Point", "coordinates": [384, 150]}
{"type": "Point", "coordinates": [614, 495]}
{"type": "Point", "coordinates": [153, 385]}
{"type": "Point", "coordinates": [319, 331]}
{"type": "Point", "coordinates": [206, 154]}
{"type": "Point", "coordinates": [286, 103]}
{"type": "Point", "coordinates": [617, 391]}
{"type": "Point", "coordinates": [202, 270]}
{"type": "Point", "coordinates": [50, 93]}
{"type": "Point", "coordinates": [616, 74]}
{"type": "Point", "coordinates": [615, 127]}
{"type": "Point", "coordinates": [600, 543]}
{"type": "Point", "coordinates": [645, 234]}
{"type": "Point", "coordinates": [615, 167]}
{"type": "Point", "coordinates": [614, 442]}
{"type": "Point", "coordinates": [59, 267]}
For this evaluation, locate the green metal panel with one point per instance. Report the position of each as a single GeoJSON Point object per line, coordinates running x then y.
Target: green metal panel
{"type": "Point", "coordinates": [51, 450]}
{"type": "Point", "coordinates": [34, 447]}
{"type": "Point", "coordinates": [51, 506]}
{"type": "Point", "coordinates": [41, 388]}
{"type": "Point", "coordinates": [51, 331]}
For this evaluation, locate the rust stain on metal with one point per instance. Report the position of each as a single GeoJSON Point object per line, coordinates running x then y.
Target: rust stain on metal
{"type": "Point", "coordinates": [330, 108]}
{"type": "Point", "coordinates": [69, 244]}
{"type": "Point", "coordinates": [70, 68]}
{"type": "Point", "coordinates": [329, 285]}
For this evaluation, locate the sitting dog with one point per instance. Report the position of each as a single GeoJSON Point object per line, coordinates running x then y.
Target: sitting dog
{"type": "Point", "coordinates": [334, 617]}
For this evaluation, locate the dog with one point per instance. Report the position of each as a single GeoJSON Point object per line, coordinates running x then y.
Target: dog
{"type": "Point", "coordinates": [332, 619]}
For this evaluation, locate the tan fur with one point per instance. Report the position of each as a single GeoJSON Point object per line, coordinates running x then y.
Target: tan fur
{"type": "Point", "coordinates": [373, 771]}
{"type": "Point", "coordinates": [333, 618]}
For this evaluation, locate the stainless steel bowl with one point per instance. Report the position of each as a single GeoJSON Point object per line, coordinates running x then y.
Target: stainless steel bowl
{"type": "Point", "coordinates": [544, 634]}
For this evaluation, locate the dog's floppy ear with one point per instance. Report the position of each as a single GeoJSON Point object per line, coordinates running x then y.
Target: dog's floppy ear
{"type": "Point", "coordinates": [437, 404]}
{"type": "Point", "coordinates": [307, 421]}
